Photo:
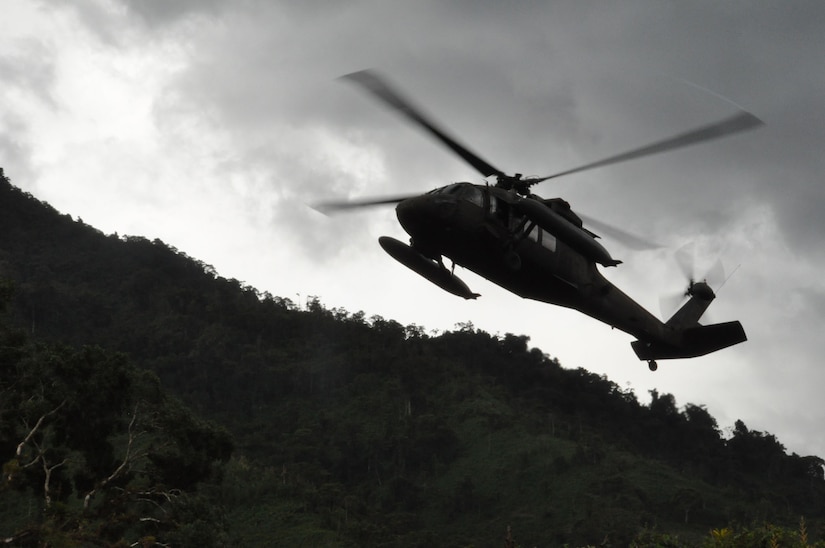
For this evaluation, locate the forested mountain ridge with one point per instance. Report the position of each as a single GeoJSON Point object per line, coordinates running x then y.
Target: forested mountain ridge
{"type": "Point", "coordinates": [360, 431]}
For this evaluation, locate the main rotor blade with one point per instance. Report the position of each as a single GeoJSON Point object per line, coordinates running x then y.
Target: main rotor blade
{"type": "Point", "coordinates": [334, 207]}
{"type": "Point", "coordinates": [626, 238]}
{"type": "Point", "coordinates": [739, 122]}
{"type": "Point", "coordinates": [373, 83]}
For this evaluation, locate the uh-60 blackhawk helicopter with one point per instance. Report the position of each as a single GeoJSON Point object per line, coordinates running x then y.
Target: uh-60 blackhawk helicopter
{"type": "Point", "coordinates": [539, 248]}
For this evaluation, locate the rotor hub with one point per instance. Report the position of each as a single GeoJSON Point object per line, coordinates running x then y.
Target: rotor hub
{"type": "Point", "coordinates": [701, 290]}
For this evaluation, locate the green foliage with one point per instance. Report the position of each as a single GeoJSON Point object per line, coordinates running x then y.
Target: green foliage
{"type": "Point", "coordinates": [96, 453]}
{"type": "Point", "coordinates": [758, 536]}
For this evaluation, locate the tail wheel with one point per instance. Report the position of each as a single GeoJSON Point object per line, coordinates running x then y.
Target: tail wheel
{"type": "Point", "coordinates": [652, 365]}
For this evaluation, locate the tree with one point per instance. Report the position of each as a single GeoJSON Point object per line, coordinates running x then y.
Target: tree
{"type": "Point", "coordinates": [97, 445]}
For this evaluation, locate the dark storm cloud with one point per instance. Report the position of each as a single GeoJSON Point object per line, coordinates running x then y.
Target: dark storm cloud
{"type": "Point", "coordinates": [766, 58]}
{"type": "Point", "coordinates": [164, 12]}
{"type": "Point", "coordinates": [151, 15]}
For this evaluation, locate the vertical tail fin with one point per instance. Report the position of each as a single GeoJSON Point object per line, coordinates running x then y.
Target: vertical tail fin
{"type": "Point", "coordinates": [701, 295]}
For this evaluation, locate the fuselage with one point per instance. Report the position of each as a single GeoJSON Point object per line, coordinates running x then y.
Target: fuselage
{"type": "Point", "coordinates": [482, 229]}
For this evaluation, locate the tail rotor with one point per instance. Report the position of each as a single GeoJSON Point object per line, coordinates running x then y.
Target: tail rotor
{"type": "Point", "coordinates": [700, 287]}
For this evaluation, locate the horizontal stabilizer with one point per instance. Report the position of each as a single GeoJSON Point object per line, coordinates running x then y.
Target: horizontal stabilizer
{"type": "Point", "coordinates": [695, 341]}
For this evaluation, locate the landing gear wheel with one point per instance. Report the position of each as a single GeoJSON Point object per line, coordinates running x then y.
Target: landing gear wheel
{"type": "Point", "coordinates": [652, 365]}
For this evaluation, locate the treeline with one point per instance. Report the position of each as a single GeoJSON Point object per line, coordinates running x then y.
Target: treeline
{"type": "Point", "coordinates": [361, 431]}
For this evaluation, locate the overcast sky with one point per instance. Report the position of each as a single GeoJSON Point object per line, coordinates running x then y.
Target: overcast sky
{"type": "Point", "coordinates": [211, 125]}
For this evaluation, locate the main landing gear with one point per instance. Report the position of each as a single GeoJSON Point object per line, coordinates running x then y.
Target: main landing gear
{"type": "Point", "coordinates": [652, 365]}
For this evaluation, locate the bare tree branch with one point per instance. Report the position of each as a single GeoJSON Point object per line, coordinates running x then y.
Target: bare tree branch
{"type": "Point", "coordinates": [37, 425]}
{"type": "Point", "coordinates": [46, 487]}
{"type": "Point", "coordinates": [14, 539]}
{"type": "Point", "coordinates": [127, 460]}
{"type": "Point", "coordinates": [29, 440]}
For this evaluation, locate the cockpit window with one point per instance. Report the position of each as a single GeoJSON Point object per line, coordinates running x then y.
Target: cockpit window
{"type": "Point", "coordinates": [449, 189]}
{"type": "Point", "coordinates": [473, 195]}
{"type": "Point", "coordinates": [465, 191]}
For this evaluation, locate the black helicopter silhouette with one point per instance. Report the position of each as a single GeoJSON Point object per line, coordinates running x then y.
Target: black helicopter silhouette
{"type": "Point", "coordinates": [539, 248]}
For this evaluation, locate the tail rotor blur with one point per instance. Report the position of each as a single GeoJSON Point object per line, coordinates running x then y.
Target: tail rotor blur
{"type": "Point", "coordinates": [714, 278]}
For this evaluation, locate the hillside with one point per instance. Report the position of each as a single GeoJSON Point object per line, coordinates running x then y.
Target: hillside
{"type": "Point", "coordinates": [355, 431]}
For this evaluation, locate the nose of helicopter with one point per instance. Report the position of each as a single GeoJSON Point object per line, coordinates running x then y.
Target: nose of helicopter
{"type": "Point", "coordinates": [425, 216]}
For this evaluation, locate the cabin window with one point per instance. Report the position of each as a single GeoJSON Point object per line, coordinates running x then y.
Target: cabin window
{"type": "Point", "coordinates": [548, 241]}
{"type": "Point", "coordinates": [542, 237]}
{"type": "Point", "coordinates": [535, 234]}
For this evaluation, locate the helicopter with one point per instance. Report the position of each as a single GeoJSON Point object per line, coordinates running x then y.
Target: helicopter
{"type": "Point", "coordinates": [539, 248]}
